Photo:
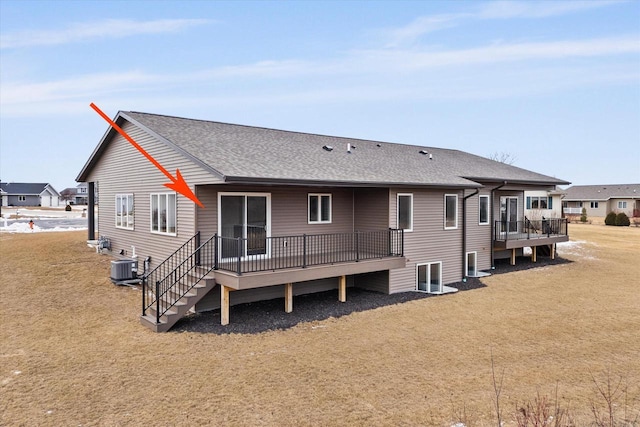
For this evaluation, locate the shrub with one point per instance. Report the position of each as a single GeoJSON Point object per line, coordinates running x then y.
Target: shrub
{"type": "Point", "coordinates": [610, 219]}
{"type": "Point", "coordinates": [622, 220]}
{"type": "Point", "coordinates": [583, 217]}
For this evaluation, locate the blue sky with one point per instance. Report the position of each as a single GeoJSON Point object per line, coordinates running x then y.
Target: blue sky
{"type": "Point", "coordinates": [554, 84]}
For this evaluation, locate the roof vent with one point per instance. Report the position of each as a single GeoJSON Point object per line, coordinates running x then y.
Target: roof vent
{"type": "Point", "coordinates": [349, 148]}
{"type": "Point", "coordinates": [327, 148]}
{"type": "Point", "coordinates": [378, 145]}
{"type": "Point", "coordinates": [423, 152]}
{"type": "Point", "coordinates": [430, 156]}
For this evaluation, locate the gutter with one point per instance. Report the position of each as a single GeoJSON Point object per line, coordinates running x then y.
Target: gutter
{"type": "Point", "coordinates": [493, 223]}
{"type": "Point", "coordinates": [464, 233]}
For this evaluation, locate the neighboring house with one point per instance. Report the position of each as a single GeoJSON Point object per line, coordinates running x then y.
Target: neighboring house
{"type": "Point", "coordinates": [79, 194]}
{"type": "Point", "coordinates": [599, 200]}
{"type": "Point", "coordinates": [290, 213]}
{"type": "Point", "coordinates": [543, 204]}
{"type": "Point", "coordinates": [28, 194]}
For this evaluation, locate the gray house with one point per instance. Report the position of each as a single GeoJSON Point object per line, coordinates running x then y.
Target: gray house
{"type": "Point", "coordinates": [287, 213]}
{"type": "Point", "coordinates": [599, 200]}
{"type": "Point", "coordinates": [29, 194]}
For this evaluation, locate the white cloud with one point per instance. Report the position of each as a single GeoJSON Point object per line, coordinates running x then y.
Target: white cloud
{"type": "Point", "coordinates": [107, 29]}
{"type": "Point", "coordinates": [485, 72]}
{"type": "Point", "coordinates": [411, 32]}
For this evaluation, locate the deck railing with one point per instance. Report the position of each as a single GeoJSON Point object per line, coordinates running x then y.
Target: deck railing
{"type": "Point", "coordinates": [166, 284]}
{"type": "Point", "coordinates": [246, 255]}
{"type": "Point", "coordinates": [530, 229]}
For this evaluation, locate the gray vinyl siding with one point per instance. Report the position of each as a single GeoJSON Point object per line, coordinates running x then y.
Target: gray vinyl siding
{"type": "Point", "coordinates": [289, 215]}
{"type": "Point", "coordinates": [32, 200]}
{"type": "Point", "coordinates": [123, 170]}
{"type": "Point", "coordinates": [371, 210]}
{"type": "Point", "coordinates": [428, 242]}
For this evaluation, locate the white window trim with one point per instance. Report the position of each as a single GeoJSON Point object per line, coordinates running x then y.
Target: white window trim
{"type": "Point", "coordinates": [622, 204]}
{"type": "Point", "coordinates": [445, 212]}
{"type": "Point", "coordinates": [120, 196]}
{"type": "Point", "coordinates": [319, 196]}
{"type": "Point", "coordinates": [410, 195]}
{"type": "Point", "coordinates": [488, 210]}
{"type": "Point", "coordinates": [428, 266]}
{"type": "Point", "coordinates": [162, 233]}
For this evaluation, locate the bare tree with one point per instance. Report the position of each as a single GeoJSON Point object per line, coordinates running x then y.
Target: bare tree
{"type": "Point", "coordinates": [503, 157]}
{"type": "Point", "coordinates": [67, 195]}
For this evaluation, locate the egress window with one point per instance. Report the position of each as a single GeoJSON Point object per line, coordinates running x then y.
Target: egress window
{"type": "Point", "coordinates": [319, 211]}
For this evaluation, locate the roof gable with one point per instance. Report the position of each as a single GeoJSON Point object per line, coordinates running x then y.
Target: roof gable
{"type": "Point", "coordinates": [26, 188]}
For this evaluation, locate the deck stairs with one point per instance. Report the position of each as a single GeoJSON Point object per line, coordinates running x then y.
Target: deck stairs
{"type": "Point", "coordinates": [173, 288]}
{"type": "Point", "coordinates": [180, 308]}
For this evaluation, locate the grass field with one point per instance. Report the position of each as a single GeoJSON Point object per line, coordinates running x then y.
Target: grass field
{"type": "Point", "coordinates": [72, 352]}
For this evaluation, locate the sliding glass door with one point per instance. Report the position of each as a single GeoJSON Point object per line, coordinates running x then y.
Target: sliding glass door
{"type": "Point", "coordinates": [244, 216]}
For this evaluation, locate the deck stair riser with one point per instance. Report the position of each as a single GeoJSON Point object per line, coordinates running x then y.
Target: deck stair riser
{"type": "Point", "coordinates": [180, 308]}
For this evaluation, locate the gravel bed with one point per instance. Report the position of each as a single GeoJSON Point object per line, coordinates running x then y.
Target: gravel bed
{"type": "Point", "coordinates": [261, 316]}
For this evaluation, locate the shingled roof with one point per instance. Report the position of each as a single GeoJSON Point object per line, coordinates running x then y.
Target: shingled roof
{"type": "Point", "coordinates": [602, 192]}
{"type": "Point", "coordinates": [240, 153]}
{"type": "Point", "coordinates": [25, 188]}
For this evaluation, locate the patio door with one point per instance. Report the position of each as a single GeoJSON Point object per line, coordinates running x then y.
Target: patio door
{"type": "Point", "coordinates": [244, 216]}
{"type": "Point", "coordinates": [508, 214]}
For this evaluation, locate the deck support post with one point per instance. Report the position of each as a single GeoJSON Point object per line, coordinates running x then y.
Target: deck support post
{"type": "Point", "coordinates": [288, 297]}
{"type": "Point", "coordinates": [342, 289]}
{"type": "Point", "coordinates": [513, 256]}
{"type": "Point", "coordinates": [553, 251]}
{"type": "Point", "coordinates": [224, 305]}
{"type": "Point", "coordinates": [534, 254]}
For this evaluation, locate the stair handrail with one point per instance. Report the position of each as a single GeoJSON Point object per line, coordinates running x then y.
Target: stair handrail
{"type": "Point", "coordinates": [174, 277]}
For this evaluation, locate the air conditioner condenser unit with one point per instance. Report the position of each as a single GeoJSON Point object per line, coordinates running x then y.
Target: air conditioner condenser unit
{"type": "Point", "coordinates": [123, 269]}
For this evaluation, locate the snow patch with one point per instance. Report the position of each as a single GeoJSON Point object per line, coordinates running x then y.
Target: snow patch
{"type": "Point", "coordinates": [21, 227]}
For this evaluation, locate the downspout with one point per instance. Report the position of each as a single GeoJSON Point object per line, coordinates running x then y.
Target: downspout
{"type": "Point", "coordinates": [464, 233]}
{"type": "Point", "coordinates": [493, 223]}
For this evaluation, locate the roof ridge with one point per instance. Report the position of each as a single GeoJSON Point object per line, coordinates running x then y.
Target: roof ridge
{"type": "Point", "coordinates": [292, 131]}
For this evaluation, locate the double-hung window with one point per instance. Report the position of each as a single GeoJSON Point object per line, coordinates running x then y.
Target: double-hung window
{"type": "Point", "coordinates": [483, 208]}
{"type": "Point", "coordinates": [622, 205]}
{"type": "Point", "coordinates": [163, 213]}
{"type": "Point", "coordinates": [319, 209]}
{"type": "Point", "coordinates": [405, 212]}
{"type": "Point", "coordinates": [450, 211]}
{"type": "Point", "coordinates": [124, 211]}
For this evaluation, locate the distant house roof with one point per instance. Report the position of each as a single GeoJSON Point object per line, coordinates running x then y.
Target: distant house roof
{"type": "Point", "coordinates": [27, 188]}
{"type": "Point", "coordinates": [602, 192]}
{"type": "Point", "coordinates": [238, 153]}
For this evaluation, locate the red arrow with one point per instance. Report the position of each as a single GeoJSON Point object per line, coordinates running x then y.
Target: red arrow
{"type": "Point", "coordinates": [178, 184]}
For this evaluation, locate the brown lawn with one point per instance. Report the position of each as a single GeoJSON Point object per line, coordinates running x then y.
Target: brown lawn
{"type": "Point", "coordinates": [72, 351]}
